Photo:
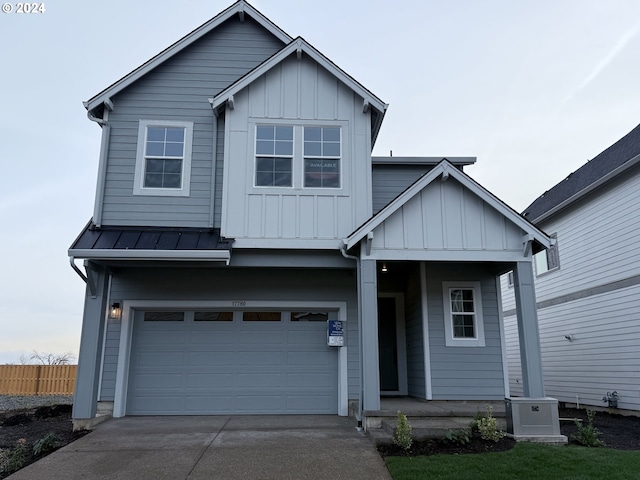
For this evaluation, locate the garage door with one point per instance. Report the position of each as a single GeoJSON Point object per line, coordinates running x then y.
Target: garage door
{"type": "Point", "coordinates": [231, 363]}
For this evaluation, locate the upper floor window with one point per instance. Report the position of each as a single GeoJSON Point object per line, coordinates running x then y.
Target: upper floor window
{"type": "Point", "coordinates": [274, 156]}
{"type": "Point", "coordinates": [283, 151]}
{"type": "Point", "coordinates": [322, 157]}
{"type": "Point", "coordinates": [464, 324]}
{"type": "Point", "coordinates": [548, 259]}
{"type": "Point", "coordinates": [163, 162]}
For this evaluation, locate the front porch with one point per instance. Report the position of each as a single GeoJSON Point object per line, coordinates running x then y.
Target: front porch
{"type": "Point", "coordinates": [428, 418]}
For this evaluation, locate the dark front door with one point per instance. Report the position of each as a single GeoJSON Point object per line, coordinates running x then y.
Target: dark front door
{"type": "Point", "coordinates": [387, 344]}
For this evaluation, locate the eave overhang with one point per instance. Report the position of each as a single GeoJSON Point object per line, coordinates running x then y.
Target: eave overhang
{"type": "Point", "coordinates": [299, 46]}
{"type": "Point", "coordinates": [241, 7]}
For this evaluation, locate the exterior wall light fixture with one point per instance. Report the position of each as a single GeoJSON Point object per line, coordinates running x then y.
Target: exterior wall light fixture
{"type": "Point", "coordinates": [115, 311]}
{"type": "Point", "coordinates": [384, 268]}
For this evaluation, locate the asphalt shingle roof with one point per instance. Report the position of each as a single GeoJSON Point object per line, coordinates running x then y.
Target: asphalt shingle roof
{"type": "Point", "coordinates": [613, 157]}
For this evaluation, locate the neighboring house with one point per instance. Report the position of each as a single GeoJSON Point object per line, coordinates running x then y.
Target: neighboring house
{"type": "Point", "coordinates": [588, 284]}
{"type": "Point", "coordinates": [238, 210]}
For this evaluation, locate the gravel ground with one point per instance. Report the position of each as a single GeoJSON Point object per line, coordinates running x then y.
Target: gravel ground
{"type": "Point", "coordinates": [18, 402]}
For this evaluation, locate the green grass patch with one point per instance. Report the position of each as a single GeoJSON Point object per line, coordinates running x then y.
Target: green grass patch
{"type": "Point", "coordinates": [529, 461]}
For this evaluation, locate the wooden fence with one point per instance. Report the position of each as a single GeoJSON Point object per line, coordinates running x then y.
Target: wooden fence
{"type": "Point", "coordinates": [37, 379]}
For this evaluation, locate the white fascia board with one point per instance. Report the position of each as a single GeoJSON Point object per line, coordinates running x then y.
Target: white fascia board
{"type": "Point", "coordinates": [299, 44]}
{"type": "Point", "coordinates": [445, 167]}
{"type": "Point", "coordinates": [133, 254]}
{"type": "Point", "coordinates": [423, 255]}
{"type": "Point", "coordinates": [236, 8]}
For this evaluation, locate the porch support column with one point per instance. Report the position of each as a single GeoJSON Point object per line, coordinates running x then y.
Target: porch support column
{"type": "Point", "coordinates": [370, 363]}
{"type": "Point", "coordinates": [93, 321]}
{"type": "Point", "coordinates": [527, 313]}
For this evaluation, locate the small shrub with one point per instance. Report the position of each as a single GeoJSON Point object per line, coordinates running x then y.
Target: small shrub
{"type": "Point", "coordinates": [46, 444]}
{"type": "Point", "coordinates": [487, 425]}
{"type": "Point", "coordinates": [402, 435]}
{"type": "Point", "coordinates": [12, 460]}
{"type": "Point", "coordinates": [588, 435]}
{"type": "Point", "coordinates": [460, 436]}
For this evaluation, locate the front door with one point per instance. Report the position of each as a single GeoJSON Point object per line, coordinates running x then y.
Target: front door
{"type": "Point", "coordinates": [392, 345]}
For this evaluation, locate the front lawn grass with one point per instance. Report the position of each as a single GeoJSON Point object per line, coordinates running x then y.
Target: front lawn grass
{"type": "Point", "coordinates": [529, 461]}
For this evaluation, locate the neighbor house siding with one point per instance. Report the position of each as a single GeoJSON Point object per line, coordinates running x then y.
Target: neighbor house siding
{"type": "Point", "coordinates": [389, 181]}
{"type": "Point", "coordinates": [464, 373]}
{"type": "Point", "coordinates": [295, 92]}
{"type": "Point", "coordinates": [594, 297]}
{"type": "Point", "coordinates": [178, 90]}
{"type": "Point", "coordinates": [254, 284]}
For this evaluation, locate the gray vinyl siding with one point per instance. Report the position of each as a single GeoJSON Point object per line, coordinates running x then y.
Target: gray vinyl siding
{"type": "Point", "coordinates": [389, 181]}
{"type": "Point", "coordinates": [199, 284]}
{"type": "Point", "coordinates": [594, 296]}
{"type": "Point", "coordinates": [110, 364]}
{"type": "Point", "coordinates": [464, 373]}
{"type": "Point", "coordinates": [178, 90]}
{"type": "Point", "coordinates": [415, 337]}
{"type": "Point", "coordinates": [219, 175]}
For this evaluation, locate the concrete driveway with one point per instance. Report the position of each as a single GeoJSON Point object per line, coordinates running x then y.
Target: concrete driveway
{"type": "Point", "coordinates": [215, 447]}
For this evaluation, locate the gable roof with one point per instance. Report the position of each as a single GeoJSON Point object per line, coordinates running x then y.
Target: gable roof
{"type": "Point", "coordinates": [611, 162]}
{"type": "Point", "coordinates": [445, 169]}
{"type": "Point", "coordinates": [300, 46]}
{"type": "Point", "coordinates": [241, 7]}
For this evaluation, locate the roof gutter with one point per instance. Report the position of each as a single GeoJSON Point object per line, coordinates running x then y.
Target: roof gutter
{"type": "Point", "coordinates": [588, 189]}
{"type": "Point", "coordinates": [165, 255]}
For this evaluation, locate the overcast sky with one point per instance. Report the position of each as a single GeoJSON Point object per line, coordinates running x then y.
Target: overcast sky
{"type": "Point", "coordinates": [533, 89]}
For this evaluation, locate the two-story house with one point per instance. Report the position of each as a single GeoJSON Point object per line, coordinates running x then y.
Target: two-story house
{"type": "Point", "coordinates": [248, 255]}
{"type": "Point", "coordinates": [588, 284]}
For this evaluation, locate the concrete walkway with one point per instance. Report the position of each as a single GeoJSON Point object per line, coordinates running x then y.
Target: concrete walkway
{"type": "Point", "coordinates": [216, 447]}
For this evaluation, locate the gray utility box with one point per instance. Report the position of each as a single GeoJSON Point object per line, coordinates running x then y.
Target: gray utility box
{"type": "Point", "coordinates": [527, 417]}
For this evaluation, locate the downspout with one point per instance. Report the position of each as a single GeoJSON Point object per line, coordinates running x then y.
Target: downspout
{"type": "Point", "coordinates": [343, 251]}
{"type": "Point", "coordinates": [104, 150]}
{"type": "Point", "coordinates": [78, 271]}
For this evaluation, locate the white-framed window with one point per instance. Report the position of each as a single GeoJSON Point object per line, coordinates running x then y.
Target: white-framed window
{"type": "Point", "coordinates": [322, 154]}
{"type": "Point", "coordinates": [163, 160]}
{"type": "Point", "coordinates": [510, 280]}
{"type": "Point", "coordinates": [298, 156]}
{"type": "Point", "coordinates": [548, 259]}
{"type": "Point", "coordinates": [464, 326]}
{"type": "Point", "coordinates": [274, 156]}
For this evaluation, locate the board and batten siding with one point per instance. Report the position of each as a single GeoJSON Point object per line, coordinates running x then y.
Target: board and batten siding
{"type": "Point", "coordinates": [464, 373]}
{"type": "Point", "coordinates": [445, 216]}
{"type": "Point", "coordinates": [594, 297]}
{"type": "Point", "coordinates": [295, 92]}
{"type": "Point", "coordinates": [199, 285]}
{"type": "Point", "coordinates": [389, 181]}
{"type": "Point", "coordinates": [178, 90]}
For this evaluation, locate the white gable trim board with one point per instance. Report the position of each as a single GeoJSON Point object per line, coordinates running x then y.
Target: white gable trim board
{"type": "Point", "coordinates": [127, 333]}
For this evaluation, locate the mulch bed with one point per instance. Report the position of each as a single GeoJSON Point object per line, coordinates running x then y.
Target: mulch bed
{"type": "Point", "coordinates": [29, 426]}
{"type": "Point", "coordinates": [618, 432]}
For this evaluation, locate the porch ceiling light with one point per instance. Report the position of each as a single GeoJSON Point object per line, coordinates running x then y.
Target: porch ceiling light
{"type": "Point", "coordinates": [384, 268]}
{"type": "Point", "coordinates": [115, 311]}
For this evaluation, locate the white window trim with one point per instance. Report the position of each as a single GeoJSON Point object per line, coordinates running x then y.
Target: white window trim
{"type": "Point", "coordinates": [450, 340]}
{"type": "Point", "coordinates": [297, 168]}
{"type": "Point", "coordinates": [541, 261]}
{"type": "Point", "coordinates": [138, 182]}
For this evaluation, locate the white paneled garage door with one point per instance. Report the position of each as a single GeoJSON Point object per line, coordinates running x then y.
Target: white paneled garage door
{"type": "Point", "coordinates": [231, 363]}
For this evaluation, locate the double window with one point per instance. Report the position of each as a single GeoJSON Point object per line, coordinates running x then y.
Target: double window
{"type": "Point", "coordinates": [464, 324]}
{"type": "Point", "coordinates": [163, 162]}
{"type": "Point", "coordinates": [278, 156]}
